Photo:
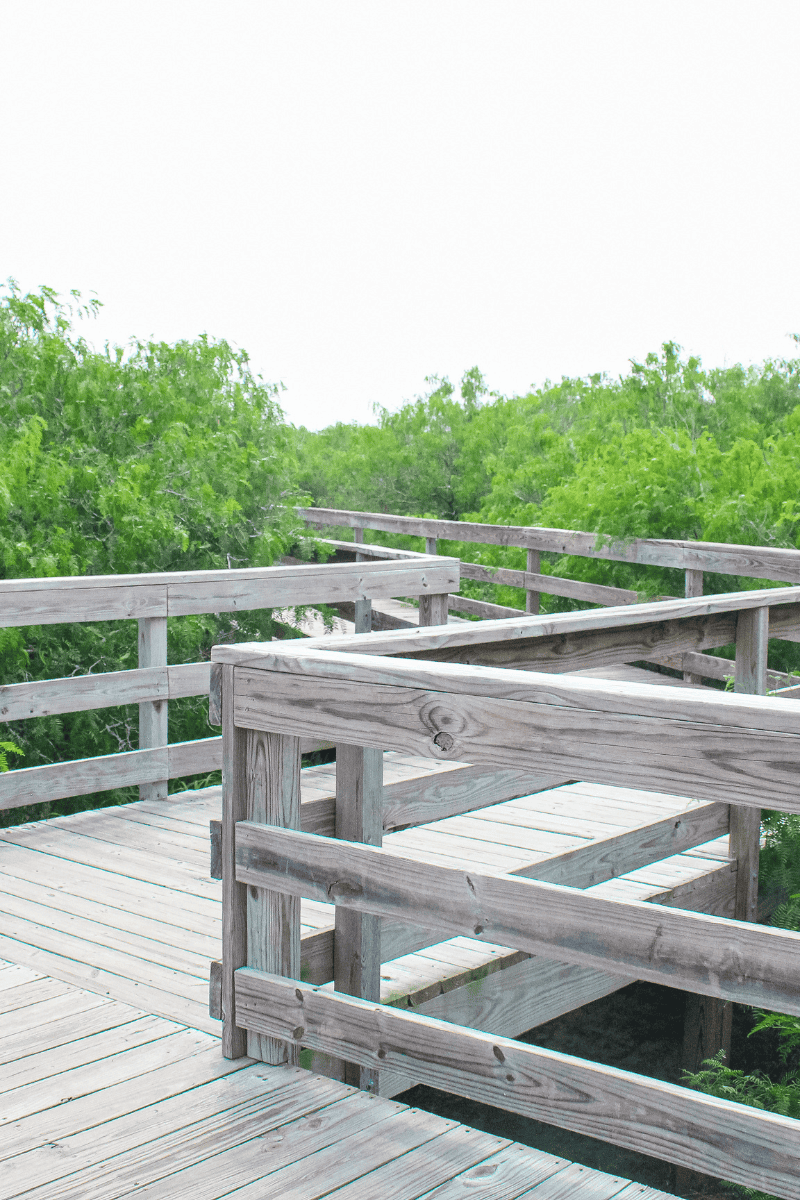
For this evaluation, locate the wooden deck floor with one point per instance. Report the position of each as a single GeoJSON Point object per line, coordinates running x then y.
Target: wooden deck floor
{"type": "Point", "coordinates": [101, 1100]}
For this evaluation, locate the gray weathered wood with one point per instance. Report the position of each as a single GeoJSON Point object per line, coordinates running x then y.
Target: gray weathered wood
{"type": "Point", "coordinates": [553, 585]}
{"type": "Point", "coordinates": [357, 937]}
{"type": "Point", "coordinates": [363, 616]}
{"type": "Point", "coordinates": [114, 597]}
{"type": "Point", "coordinates": [431, 545]}
{"type": "Point", "coordinates": [744, 1145]}
{"type": "Point", "coordinates": [755, 562]}
{"type": "Point", "coordinates": [234, 894]}
{"type": "Point", "coordinates": [215, 695]}
{"type": "Point", "coordinates": [693, 587]}
{"type": "Point", "coordinates": [752, 636]}
{"type": "Point", "coordinates": [215, 990]}
{"type": "Point", "coordinates": [533, 565]}
{"type": "Point", "coordinates": [273, 916]}
{"type": "Point", "coordinates": [433, 608]}
{"type": "Point", "coordinates": [153, 714]}
{"type": "Point", "coordinates": [215, 842]}
{"type": "Point", "coordinates": [609, 635]}
{"type": "Point", "coordinates": [704, 744]}
{"type": "Point", "coordinates": [712, 955]}
{"type": "Point", "coordinates": [81, 693]}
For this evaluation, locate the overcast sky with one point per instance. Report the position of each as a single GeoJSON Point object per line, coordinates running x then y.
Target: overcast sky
{"type": "Point", "coordinates": [363, 193]}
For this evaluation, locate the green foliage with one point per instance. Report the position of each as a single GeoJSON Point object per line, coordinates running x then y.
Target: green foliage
{"type": "Point", "coordinates": [7, 748]}
{"type": "Point", "coordinates": [155, 457]}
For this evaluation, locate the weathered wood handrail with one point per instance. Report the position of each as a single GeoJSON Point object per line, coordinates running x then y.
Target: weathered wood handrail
{"type": "Point", "coordinates": [755, 562]}
{"type": "Point", "coordinates": [152, 598]}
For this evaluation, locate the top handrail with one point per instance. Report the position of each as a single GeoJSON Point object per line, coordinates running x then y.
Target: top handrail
{"type": "Point", "coordinates": [77, 598]}
{"type": "Point", "coordinates": [757, 562]}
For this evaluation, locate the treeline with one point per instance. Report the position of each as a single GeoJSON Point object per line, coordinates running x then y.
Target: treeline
{"type": "Point", "coordinates": [669, 450]}
{"type": "Point", "coordinates": [153, 458]}
{"type": "Point", "coordinates": [158, 457]}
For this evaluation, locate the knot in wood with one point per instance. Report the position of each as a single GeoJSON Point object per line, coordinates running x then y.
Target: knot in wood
{"type": "Point", "coordinates": [445, 741]}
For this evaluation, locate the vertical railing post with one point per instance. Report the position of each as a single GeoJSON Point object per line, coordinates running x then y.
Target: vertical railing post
{"type": "Point", "coordinates": [752, 639]}
{"type": "Point", "coordinates": [273, 918]}
{"type": "Point", "coordinates": [431, 545]}
{"type": "Point", "coordinates": [708, 1021]}
{"type": "Point", "coordinates": [433, 609]}
{"type": "Point", "coordinates": [234, 895]}
{"type": "Point", "coordinates": [533, 566]}
{"type": "Point", "coordinates": [693, 587]}
{"type": "Point", "coordinates": [153, 714]}
{"type": "Point", "coordinates": [357, 937]}
{"type": "Point", "coordinates": [358, 538]}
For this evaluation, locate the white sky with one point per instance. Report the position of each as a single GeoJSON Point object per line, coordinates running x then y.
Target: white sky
{"type": "Point", "coordinates": [363, 192]}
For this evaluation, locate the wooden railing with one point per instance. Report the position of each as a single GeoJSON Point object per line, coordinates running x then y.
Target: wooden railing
{"type": "Point", "coordinates": [694, 558]}
{"type": "Point", "coordinates": [447, 693]}
{"type": "Point", "coordinates": [151, 599]}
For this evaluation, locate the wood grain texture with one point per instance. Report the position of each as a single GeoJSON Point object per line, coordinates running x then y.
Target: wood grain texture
{"type": "Point", "coordinates": [711, 955]}
{"type": "Point", "coordinates": [113, 597]}
{"type": "Point", "coordinates": [741, 1144]}
{"type": "Point", "coordinates": [81, 693]}
{"type": "Point", "coordinates": [710, 746]}
{"type": "Point", "coordinates": [153, 714]}
{"type": "Point", "coordinates": [234, 894]}
{"type": "Point", "coordinates": [757, 562]}
{"type": "Point", "coordinates": [551, 585]}
{"type": "Point", "coordinates": [433, 609]}
{"type": "Point", "coordinates": [610, 635]}
{"type": "Point", "coordinates": [357, 936]}
{"type": "Point", "coordinates": [272, 781]}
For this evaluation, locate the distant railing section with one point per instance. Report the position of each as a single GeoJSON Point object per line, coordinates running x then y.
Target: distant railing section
{"type": "Point", "coordinates": [693, 558]}
{"type": "Point", "coordinates": [151, 599]}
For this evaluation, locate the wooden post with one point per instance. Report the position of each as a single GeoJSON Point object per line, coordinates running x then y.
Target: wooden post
{"type": "Point", "coordinates": [433, 609]}
{"type": "Point", "coordinates": [357, 939]}
{"type": "Point", "coordinates": [707, 1023]}
{"type": "Point", "coordinates": [358, 538]}
{"type": "Point", "coordinates": [431, 545]}
{"type": "Point", "coordinates": [273, 919]}
{"type": "Point", "coordinates": [234, 895]}
{"type": "Point", "coordinates": [153, 714]}
{"type": "Point", "coordinates": [752, 637]}
{"type": "Point", "coordinates": [534, 566]}
{"type": "Point", "coordinates": [693, 587]}
{"type": "Point", "coordinates": [363, 616]}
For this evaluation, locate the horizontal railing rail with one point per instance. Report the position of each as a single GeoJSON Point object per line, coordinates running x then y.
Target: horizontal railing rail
{"type": "Point", "coordinates": [755, 562]}
{"type": "Point", "coordinates": [152, 598]}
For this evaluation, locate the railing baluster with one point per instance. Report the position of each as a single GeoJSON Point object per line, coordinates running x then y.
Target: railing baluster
{"type": "Point", "coordinates": [273, 919]}
{"type": "Point", "coordinates": [533, 566]}
{"type": "Point", "coordinates": [357, 940]}
{"type": "Point", "coordinates": [707, 1027]}
{"type": "Point", "coordinates": [693, 586]}
{"type": "Point", "coordinates": [431, 545]}
{"type": "Point", "coordinates": [153, 714]}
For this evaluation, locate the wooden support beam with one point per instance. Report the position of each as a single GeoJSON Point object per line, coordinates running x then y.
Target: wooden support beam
{"type": "Point", "coordinates": [357, 936]}
{"type": "Point", "coordinates": [707, 1022]}
{"type": "Point", "coordinates": [431, 545]}
{"type": "Point", "coordinates": [234, 894]}
{"type": "Point", "coordinates": [688, 950]}
{"type": "Point", "coordinates": [363, 616]}
{"type": "Point", "coordinates": [741, 1144]}
{"type": "Point", "coordinates": [433, 609]}
{"type": "Point", "coordinates": [533, 567]}
{"type": "Point", "coordinates": [693, 587]}
{"type": "Point", "coordinates": [153, 714]}
{"type": "Point", "coordinates": [272, 784]}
